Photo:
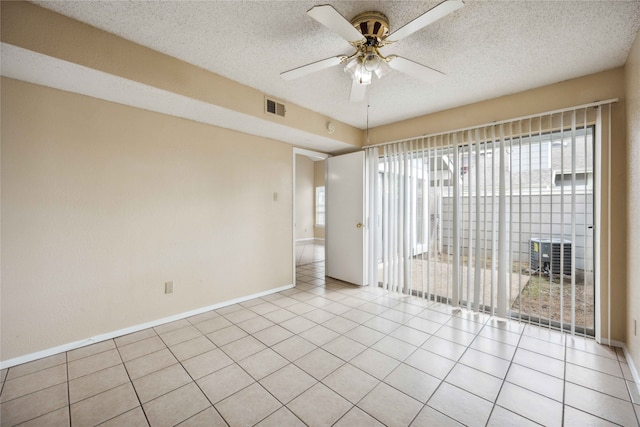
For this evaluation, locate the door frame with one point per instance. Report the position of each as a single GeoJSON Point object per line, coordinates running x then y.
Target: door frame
{"type": "Point", "coordinates": [315, 156]}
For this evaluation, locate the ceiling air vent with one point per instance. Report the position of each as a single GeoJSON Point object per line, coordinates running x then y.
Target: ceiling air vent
{"type": "Point", "coordinates": [274, 107]}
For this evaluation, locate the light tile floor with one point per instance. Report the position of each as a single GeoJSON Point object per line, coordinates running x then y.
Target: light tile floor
{"type": "Point", "coordinates": [309, 251]}
{"type": "Point", "coordinates": [327, 353]}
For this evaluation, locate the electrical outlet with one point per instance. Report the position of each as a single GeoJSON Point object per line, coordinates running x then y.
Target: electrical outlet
{"type": "Point", "coordinates": [635, 327]}
{"type": "Point", "coordinates": [275, 196]}
{"type": "Point", "coordinates": [168, 287]}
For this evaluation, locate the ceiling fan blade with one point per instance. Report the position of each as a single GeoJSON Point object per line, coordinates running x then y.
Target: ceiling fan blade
{"type": "Point", "coordinates": [415, 70]}
{"type": "Point", "coordinates": [331, 18]}
{"type": "Point", "coordinates": [429, 17]}
{"type": "Point", "coordinates": [311, 68]}
{"type": "Point", "coordinates": [358, 92]}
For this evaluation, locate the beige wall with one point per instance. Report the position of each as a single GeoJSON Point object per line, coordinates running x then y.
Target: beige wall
{"type": "Point", "coordinates": [305, 195]}
{"type": "Point", "coordinates": [40, 30]}
{"type": "Point", "coordinates": [318, 172]}
{"type": "Point", "coordinates": [601, 86]}
{"type": "Point", "coordinates": [632, 71]}
{"type": "Point", "coordinates": [103, 203]}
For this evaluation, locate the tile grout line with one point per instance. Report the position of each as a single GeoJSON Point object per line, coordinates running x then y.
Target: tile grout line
{"type": "Point", "coordinates": [193, 380]}
{"type": "Point", "coordinates": [132, 385]}
{"type": "Point", "coordinates": [236, 362]}
{"type": "Point", "coordinates": [511, 361]}
{"type": "Point", "coordinates": [281, 368]}
{"type": "Point", "coordinates": [92, 373]}
{"type": "Point", "coordinates": [34, 392]}
{"type": "Point", "coordinates": [352, 294]}
{"type": "Point", "coordinates": [178, 361]}
{"type": "Point", "coordinates": [32, 372]}
{"type": "Point", "coordinates": [4, 381]}
{"type": "Point", "coordinates": [565, 381]}
{"type": "Point", "coordinates": [117, 348]}
{"type": "Point", "coordinates": [370, 347]}
{"type": "Point", "coordinates": [626, 383]}
{"type": "Point", "coordinates": [289, 363]}
{"type": "Point", "coordinates": [66, 360]}
{"type": "Point", "coordinates": [39, 390]}
{"type": "Point", "coordinates": [345, 362]}
{"type": "Point", "coordinates": [227, 355]}
{"type": "Point", "coordinates": [451, 315]}
{"type": "Point", "coordinates": [504, 380]}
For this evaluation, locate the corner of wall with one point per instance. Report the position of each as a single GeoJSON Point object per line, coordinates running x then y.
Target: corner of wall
{"type": "Point", "coordinates": [632, 92]}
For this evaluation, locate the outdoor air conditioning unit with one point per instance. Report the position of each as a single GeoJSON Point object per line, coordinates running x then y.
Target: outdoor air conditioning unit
{"type": "Point", "coordinates": [545, 255]}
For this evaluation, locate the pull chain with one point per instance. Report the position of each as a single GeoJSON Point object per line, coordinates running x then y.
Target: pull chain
{"type": "Point", "coordinates": [368, 123]}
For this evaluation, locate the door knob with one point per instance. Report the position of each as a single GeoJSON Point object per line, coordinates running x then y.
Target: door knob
{"type": "Point", "coordinates": [359, 225]}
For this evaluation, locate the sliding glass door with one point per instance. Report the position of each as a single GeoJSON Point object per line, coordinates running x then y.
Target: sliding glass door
{"type": "Point", "coordinates": [497, 219]}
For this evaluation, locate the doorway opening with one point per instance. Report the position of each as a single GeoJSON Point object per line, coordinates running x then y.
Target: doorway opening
{"type": "Point", "coordinates": [308, 208]}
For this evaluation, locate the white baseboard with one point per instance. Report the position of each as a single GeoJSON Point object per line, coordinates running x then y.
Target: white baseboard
{"type": "Point", "coordinates": [612, 343]}
{"type": "Point", "coordinates": [632, 367]}
{"type": "Point", "coordinates": [627, 356]}
{"type": "Point", "coordinates": [110, 335]}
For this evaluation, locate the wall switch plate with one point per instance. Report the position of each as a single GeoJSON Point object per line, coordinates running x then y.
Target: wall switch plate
{"type": "Point", "coordinates": [168, 287]}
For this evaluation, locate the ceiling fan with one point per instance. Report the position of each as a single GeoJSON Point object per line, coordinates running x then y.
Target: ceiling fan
{"type": "Point", "coordinates": [368, 32]}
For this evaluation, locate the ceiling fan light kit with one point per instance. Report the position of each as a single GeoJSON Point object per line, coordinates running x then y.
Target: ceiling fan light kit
{"type": "Point", "coordinates": [367, 33]}
{"type": "Point", "coordinates": [357, 72]}
{"type": "Point", "coordinates": [371, 61]}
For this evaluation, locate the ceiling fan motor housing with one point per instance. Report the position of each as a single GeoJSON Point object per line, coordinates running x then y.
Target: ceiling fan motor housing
{"type": "Point", "coordinates": [374, 26]}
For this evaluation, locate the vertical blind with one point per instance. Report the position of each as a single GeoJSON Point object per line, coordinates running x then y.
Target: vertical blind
{"type": "Point", "coordinates": [496, 218]}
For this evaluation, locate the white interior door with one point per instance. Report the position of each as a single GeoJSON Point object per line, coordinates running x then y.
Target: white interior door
{"type": "Point", "coordinates": [345, 231]}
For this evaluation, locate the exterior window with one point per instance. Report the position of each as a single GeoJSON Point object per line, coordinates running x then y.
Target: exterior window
{"type": "Point", "coordinates": [531, 157]}
{"type": "Point", "coordinates": [319, 206]}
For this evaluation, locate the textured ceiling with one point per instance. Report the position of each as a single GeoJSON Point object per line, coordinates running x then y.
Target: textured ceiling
{"type": "Point", "coordinates": [487, 49]}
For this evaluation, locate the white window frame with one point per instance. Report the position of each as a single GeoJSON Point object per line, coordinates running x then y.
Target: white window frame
{"type": "Point", "coordinates": [320, 206]}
